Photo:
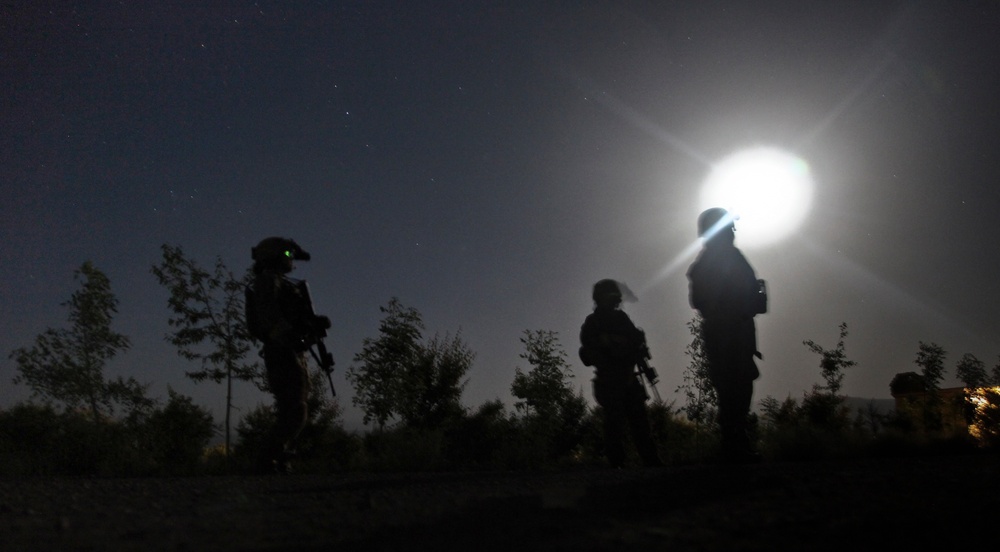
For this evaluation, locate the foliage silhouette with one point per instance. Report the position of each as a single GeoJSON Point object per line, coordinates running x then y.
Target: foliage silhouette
{"type": "Point", "coordinates": [545, 388]}
{"type": "Point", "coordinates": [169, 440]}
{"type": "Point", "coordinates": [833, 362]}
{"type": "Point", "coordinates": [679, 439]}
{"type": "Point", "coordinates": [207, 314]}
{"type": "Point", "coordinates": [322, 446]}
{"type": "Point", "coordinates": [702, 400]}
{"type": "Point", "coordinates": [109, 427]}
{"type": "Point", "coordinates": [176, 435]}
{"type": "Point", "coordinates": [552, 413]}
{"type": "Point", "coordinates": [433, 388]}
{"type": "Point", "coordinates": [930, 359]}
{"type": "Point", "coordinates": [971, 371]}
{"type": "Point", "coordinates": [377, 380]}
{"type": "Point", "coordinates": [483, 439]}
{"type": "Point", "coordinates": [67, 365]}
{"type": "Point", "coordinates": [821, 424]}
{"type": "Point", "coordinates": [399, 377]}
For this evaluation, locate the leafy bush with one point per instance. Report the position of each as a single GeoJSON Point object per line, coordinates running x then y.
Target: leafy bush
{"type": "Point", "coordinates": [175, 437]}
{"type": "Point", "coordinates": [818, 427]}
{"type": "Point", "coordinates": [323, 446]}
{"type": "Point", "coordinates": [481, 440]}
{"type": "Point", "coordinates": [404, 449]}
{"type": "Point", "coordinates": [37, 440]}
{"type": "Point", "coordinates": [679, 440]}
{"type": "Point", "coordinates": [28, 438]}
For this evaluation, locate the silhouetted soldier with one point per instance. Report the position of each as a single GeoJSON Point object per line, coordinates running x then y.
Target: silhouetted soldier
{"type": "Point", "coordinates": [612, 344]}
{"type": "Point", "coordinates": [724, 289]}
{"type": "Point", "coordinates": [281, 316]}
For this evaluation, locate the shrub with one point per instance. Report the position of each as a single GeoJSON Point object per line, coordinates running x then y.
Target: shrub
{"type": "Point", "coordinates": [175, 437]}
{"type": "Point", "coordinates": [37, 440]}
{"type": "Point", "coordinates": [324, 446]}
{"type": "Point", "coordinates": [679, 440]}
{"type": "Point", "coordinates": [481, 440]}
{"type": "Point", "coordinates": [404, 449]}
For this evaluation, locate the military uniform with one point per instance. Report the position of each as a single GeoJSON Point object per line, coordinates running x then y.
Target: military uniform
{"type": "Point", "coordinates": [725, 290]}
{"type": "Point", "coordinates": [282, 321]}
{"type": "Point", "coordinates": [612, 344]}
{"type": "Point", "coordinates": [284, 362]}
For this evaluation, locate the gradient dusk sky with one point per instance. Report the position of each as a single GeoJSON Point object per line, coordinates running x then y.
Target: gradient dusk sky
{"type": "Point", "coordinates": [487, 162]}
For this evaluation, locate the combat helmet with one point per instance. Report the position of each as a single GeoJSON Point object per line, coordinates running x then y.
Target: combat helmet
{"type": "Point", "coordinates": [606, 289]}
{"type": "Point", "coordinates": [613, 291]}
{"type": "Point", "coordinates": [714, 220]}
{"type": "Point", "coordinates": [275, 250]}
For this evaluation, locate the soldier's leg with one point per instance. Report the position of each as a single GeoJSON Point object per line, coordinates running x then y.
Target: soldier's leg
{"type": "Point", "coordinates": [638, 422]}
{"type": "Point", "coordinates": [730, 377]}
{"type": "Point", "coordinates": [615, 421]}
{"type": "Point", "coordinates": [289, 383]}
{"type": "Point", "coordinates": [735, 397]}
{"type": "Point", "coordinates": [730, 412]}
{"type": "Point", "coordinates": [742, 401]}
{"type": "Point", "coordinates": [292, 401]}
{"type": "Point", "coordinates": [641, 437]}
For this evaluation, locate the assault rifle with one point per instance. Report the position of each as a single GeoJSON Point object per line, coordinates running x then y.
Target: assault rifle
{"type": "Point", "coordinates": [646, 372]}
{"type": "Point", "coordinates": [317, 328]}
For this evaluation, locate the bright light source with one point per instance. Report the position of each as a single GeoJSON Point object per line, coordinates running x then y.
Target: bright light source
{"type": "Point", "coordinates": [768, 189]}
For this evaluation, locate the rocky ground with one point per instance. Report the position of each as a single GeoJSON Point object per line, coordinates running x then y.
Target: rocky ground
{"type": "Point", "coordinates": [865, 504]}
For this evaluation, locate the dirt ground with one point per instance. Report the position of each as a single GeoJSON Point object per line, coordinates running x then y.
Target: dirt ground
{"type": "Point", "coordinates": [865, 504]}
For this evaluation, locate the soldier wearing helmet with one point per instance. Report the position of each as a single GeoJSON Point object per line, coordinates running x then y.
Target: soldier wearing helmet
{"type": "Point", "coordinates": [278, 314]}
{"type": "Point", "coordinates": [727, 294]}
{"type": "Point", "coordinates": [613, 345]}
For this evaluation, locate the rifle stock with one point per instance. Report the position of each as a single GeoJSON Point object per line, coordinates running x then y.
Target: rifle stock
{"type": "Point", "coordinates": [647, 372]}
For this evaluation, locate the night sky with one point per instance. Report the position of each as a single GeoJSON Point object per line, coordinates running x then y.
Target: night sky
{"type": "Point", "coordinates": [487, 162]}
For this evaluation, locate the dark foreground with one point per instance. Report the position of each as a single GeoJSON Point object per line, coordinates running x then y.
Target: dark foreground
{"type": "Point", "coordinates": [857, 504]}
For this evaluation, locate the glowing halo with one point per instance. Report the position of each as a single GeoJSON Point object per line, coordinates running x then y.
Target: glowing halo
{"type": "Point", "coordinates": [770, 190]}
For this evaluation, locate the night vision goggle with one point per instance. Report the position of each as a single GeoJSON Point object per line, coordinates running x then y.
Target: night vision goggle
{"type": "Point", "coordinates": [276, 247]}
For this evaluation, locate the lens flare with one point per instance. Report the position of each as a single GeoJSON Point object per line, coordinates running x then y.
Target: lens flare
{"type": "Point", "coordinates": [768, 189]}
